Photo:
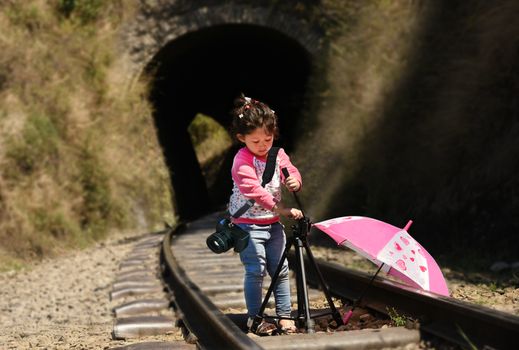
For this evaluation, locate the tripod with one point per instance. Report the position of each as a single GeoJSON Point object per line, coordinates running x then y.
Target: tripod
{"type": "Point", "coordinates": [303, 317]}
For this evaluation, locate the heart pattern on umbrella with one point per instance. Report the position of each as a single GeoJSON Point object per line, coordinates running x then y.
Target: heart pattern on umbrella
{"type": "Point", "coordinates": [403, 253]}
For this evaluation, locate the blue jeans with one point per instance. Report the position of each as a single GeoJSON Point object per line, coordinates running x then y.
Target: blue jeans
{"type": "Point", "coordinates": [262, 255]}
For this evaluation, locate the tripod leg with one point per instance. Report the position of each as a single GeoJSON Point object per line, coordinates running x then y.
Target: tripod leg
{"type": "Point", "coordinates": [302, 286]}
{"type": "Point", "coordinates": [335, 313]}
{"type": "Point", "coordinates": [299, 291]}
{"type": "Point", "coordinates": [259, 317]}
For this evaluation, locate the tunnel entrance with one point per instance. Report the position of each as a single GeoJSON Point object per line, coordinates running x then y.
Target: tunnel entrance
{"type": "Point", "coordinates": [202, 72]}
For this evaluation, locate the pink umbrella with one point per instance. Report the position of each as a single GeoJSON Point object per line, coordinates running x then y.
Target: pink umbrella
{"type": "Point", "coordinates": [402, 256]}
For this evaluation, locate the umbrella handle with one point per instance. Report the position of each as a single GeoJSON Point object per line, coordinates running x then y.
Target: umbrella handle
{"type": "Point", "coordinates": [346, 317]}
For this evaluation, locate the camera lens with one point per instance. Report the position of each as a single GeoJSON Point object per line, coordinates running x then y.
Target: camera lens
{"type": "Point", "coordinates": [220, 241]}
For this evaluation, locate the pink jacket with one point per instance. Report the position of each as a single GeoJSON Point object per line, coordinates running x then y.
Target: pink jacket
{"type": "Point", "coordinates": [247, 171]}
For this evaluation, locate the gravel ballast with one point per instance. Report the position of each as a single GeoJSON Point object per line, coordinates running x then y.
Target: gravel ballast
{"type": "Point", "coordinates": [63, 303]}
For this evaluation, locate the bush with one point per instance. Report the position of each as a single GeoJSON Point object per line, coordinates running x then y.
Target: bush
{"type": "Point", "coordinates": [37, 147]}
{"type": "Point", "coordinates": [54, 222]}
{"type": "Point", "coordinates": [97, 206]}
{"type": "Point", "coordinates": [86, 11]}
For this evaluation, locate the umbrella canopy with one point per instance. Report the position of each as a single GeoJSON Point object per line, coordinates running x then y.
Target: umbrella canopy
{"type": "Point", "coordinates": [380, 242]}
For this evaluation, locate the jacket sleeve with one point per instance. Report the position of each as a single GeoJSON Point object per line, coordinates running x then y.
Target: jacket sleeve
{"type": "Point", "coordinates": [284, 162]}
{"type": "Point", "coordinates": [245, 177]}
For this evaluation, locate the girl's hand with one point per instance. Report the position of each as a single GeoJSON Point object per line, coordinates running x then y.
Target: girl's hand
{"type": "Point", "coordinates": [292, 184]}
{"type": "Point", "coordinates": [295, 213]}
{"type": "Point", "coordinates": [291, 213]}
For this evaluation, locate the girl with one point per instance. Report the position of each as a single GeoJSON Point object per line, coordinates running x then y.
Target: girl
{"type": "Point", "coordinates": [255, 125]}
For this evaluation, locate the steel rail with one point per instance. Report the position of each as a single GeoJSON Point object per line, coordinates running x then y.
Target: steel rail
{"type": "Point", "coordinates": [468, 325]}
{"type": "Point", "coordinates": [212, 328]}
{"type": "Point", "coordinates": [465, 324]}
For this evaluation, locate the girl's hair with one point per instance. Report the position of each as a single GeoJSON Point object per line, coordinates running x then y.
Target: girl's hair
{"type": "Point", "coordinates": [249, 114]}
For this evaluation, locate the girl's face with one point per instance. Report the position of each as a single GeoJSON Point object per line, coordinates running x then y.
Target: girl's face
{"type": "Point", "coordinates": [259, 141]}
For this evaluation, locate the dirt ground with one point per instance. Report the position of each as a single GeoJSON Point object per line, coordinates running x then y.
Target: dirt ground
{"type": "Point", "coordinates": [63, 303]}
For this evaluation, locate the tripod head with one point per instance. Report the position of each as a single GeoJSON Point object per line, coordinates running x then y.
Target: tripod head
{"type": "Point", "coordinates": [301, 229]}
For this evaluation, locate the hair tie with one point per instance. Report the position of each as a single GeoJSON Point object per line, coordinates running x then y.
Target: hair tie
{"type": "Point", "coordinates": [247, 105]}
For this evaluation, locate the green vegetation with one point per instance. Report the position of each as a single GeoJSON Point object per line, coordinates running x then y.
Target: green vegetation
{"type": "Point", "coordinates": [470, 344]}
{"type": "Point", "coordinates": [84, 11]}
{"type": "Point", "coordinates": [211, 142]}
{"type": "Point", "coordinates": [208, 136]}
{"type": "Point", "coordinates": [98, 206]}
{"type": "Point", "coordinates": [397, 319]}
{"type": "Point", "coordinates": [78, 150]}
{"type": "Point", "coordinates": [36, 149]}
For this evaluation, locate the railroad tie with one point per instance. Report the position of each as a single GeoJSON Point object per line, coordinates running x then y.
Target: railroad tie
{"type": "Point", "coordinates": [157, 346]}
{"type": "Point", "coordinates": [145, 308]}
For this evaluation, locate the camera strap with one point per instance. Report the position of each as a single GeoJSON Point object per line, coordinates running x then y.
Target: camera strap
{"type": "Point", "coordinates": [270, 169]}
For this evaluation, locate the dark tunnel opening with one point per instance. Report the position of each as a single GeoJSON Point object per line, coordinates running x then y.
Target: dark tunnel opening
{"type": "Point", "coordinates": [202, 72]}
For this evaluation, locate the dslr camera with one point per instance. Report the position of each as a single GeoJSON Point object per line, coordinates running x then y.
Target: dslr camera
{"type": "Point", "coordinates": [227, 235]}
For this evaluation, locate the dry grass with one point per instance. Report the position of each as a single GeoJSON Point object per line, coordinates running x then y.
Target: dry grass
{"type": "Point", "coordinates": [78, 153]}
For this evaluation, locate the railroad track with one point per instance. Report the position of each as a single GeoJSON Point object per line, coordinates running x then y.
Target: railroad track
{"type": "Point", "coordinates": [207, 296]}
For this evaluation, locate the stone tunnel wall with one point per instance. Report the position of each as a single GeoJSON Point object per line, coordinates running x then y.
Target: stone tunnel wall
{"type": "Point", "coordinates": [159, 22]}
{"type": "Point", "coordinates": [390, 127]}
